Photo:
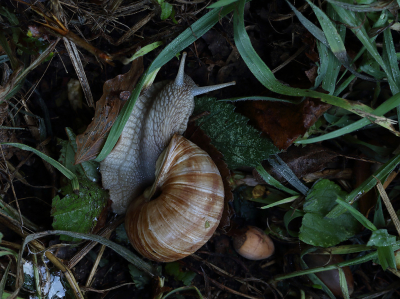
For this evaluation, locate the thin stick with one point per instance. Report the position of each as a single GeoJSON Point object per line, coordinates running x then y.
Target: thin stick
{"type": "Point", "coordinates": [388, 205]}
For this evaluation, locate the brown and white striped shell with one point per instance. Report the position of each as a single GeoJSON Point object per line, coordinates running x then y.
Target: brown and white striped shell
{"type": "Point", "coordinates": [183, 208]}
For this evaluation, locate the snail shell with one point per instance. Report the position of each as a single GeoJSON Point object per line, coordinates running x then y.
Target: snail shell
{"type": "Point", "coordinates": [157, 115]}
{"type": "Point", "coordinates": [187, 210]}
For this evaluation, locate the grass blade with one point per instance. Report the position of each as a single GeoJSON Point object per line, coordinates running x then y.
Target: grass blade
{"type": "Point", "coordinates": [385, 107]}
{"type": "Point", "coordinates": [51, 161]}
{"type": "Point", "coordinates": [272, 181]}
{"type": "Point", "coordinates": [122, 251]}
{"type": "Point", "coordinates": [356, 214]}
{"type": "Point", "coordinates": [367, 185]}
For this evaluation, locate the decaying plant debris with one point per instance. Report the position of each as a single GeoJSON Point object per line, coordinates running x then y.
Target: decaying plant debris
{"type": "Point", "coordinates": [306, 142]}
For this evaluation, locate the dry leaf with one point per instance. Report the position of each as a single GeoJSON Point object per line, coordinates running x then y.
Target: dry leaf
{"type": "Point", "coordinates": [92, 140]}
{"type": "Point", "coordinates": [283, 122]}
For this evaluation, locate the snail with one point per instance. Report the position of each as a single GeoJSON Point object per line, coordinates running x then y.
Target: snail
{"type": "Point", "coordinates": [187, 210]}
{"type": "Point", "coordinates": [186, 213]}
{"type": "Point", "coordinates": [157, 115]}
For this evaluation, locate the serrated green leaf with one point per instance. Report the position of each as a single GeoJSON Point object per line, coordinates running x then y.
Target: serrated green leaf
{"type": "Point", "coordinates": [139, 277]}
{"type": "Point", "coordinates": [240, 143]}
{"type": "Point", "coordinates": [174, 270]}
{"type": "Point", "coordinates": [78, 212]}
{"type": "Point", "coordinates": [316, 229]}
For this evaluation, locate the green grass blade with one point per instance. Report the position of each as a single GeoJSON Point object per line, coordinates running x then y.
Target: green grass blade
{"type": "Point", "coordinates": [266, 77]}
{"type": "Point", "coordinates": [343, 284]}
{"type": "Point", "coordinates": [375, 6]}
{"type": "Point", "coordinates": [4, 279]}
{"type": "Point", "coordinates": [356, 261]}
{"type": "Point", "coordinates": [186, 38]}
{"type": "Point", "coordinates": [221, 3]}
{"type": "Point", "coordinates": [356, 25]}
{"type": "Point", "coordinates": [385, 107]}
{"type": "Point", "coordinates": [356, 214]}
{"type": "Point", "coordinates": [272, 181]}
{"type": "Point", "coordinates": [335, 41]}
{"type": "Point", "coordinates": [280, 202]}
{"type": "Point", "coordinates": [367, 185]}
{"type": "Point", "coordinates": [51, 161]}
{"type": "Point", "coordinates": [122, 251]}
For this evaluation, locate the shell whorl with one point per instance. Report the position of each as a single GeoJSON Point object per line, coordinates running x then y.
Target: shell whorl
{"type": "Point", "coordinates": [157, 115]}
{"type": "Point", "coordinates": [187, 210]}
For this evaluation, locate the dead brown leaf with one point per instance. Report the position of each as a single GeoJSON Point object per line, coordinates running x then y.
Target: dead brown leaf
{"type": "Point", "coordinates": [283, 122]}
{"type": "Point", "coordinates": [92, 140]}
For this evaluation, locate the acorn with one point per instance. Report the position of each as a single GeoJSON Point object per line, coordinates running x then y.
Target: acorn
{"type": "Point", "coordinates": [253, 244]}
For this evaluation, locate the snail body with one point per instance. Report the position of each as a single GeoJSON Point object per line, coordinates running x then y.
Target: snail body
{"type": "Point", "coordinates": [187, 210]}
{"type": "Point", "coordinates": [157, 115]}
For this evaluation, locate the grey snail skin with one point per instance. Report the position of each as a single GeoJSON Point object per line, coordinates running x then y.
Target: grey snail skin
{"type": "Point", "coordinates": [177, 214]}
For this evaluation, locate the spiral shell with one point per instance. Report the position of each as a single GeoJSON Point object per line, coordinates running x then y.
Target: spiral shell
{"type": "Point", "coordinates": [187, 210]}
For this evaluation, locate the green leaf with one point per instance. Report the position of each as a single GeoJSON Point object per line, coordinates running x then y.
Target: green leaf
{"type": "Point", "coordinates": [139, 277]}
{"type": "Point", "coordinates": [78, 212]}
{"type": "Point", "coordinates": [166, 10]}
{"type": "Point", "coordinates": [316, 229]}
{"type": "Point", "coordinates": [240, 143]}
{"type": "Point", "coordinates": [175, 270]}
{"type": "Point", "coordinates": [381, 237]}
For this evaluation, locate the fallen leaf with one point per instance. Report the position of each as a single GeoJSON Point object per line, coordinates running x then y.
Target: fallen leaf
{"type": "Point", "coordinates": [92, 140]}
{"type": "Point", "coordinates": [283, 122]}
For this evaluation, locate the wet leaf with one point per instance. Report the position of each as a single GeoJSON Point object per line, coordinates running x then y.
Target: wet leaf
{"type": "Point", "coordinates": [283, 122]}
{"type": "Point", "coordinates": [92, 140]}
{"type": "Point", "coordinates": [78, 212]}
{"type": "Point", "coordinates": [239, 142]}
{"type": "Point", "coordinates": [175, 270]}
{"type": "Point", "coordinates": [319, 231]}
{"type": "Point", "coordinates": [381, 237]}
